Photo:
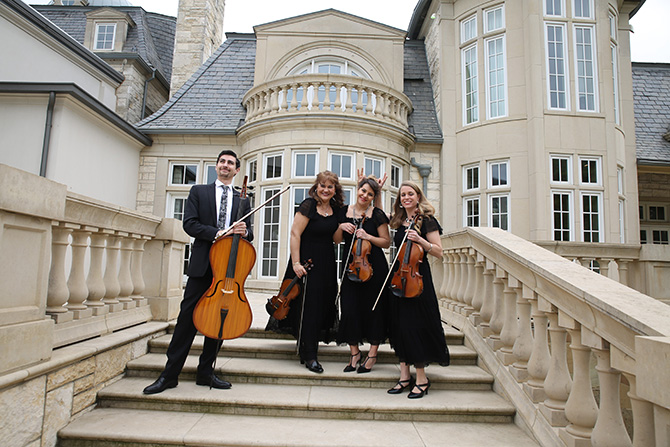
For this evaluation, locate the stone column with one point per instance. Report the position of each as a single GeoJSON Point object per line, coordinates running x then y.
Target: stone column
{"type": "Point", "coordinates": [111, 277]}
{"type": "Point", "coordinates": [523, 346]}
{"type": "Point", "coordinates": [125, 279]}
{"type": "Point", "coordinates": [510, 329]}
{"type": "Point", "coordinates": [558, 381]}
{"type": "Point", "coordinates": [497, 318]}
{"type": "Point", "coordinates": [487, 297]}
{"type": "Point", "coordinates": [58, 293]}
{"type": "Point", "coordinates": [538, 363]}
{"type": "Point", "coordinates": [477, 298]}
{"type": "Point", "coordinates": [469, 289]}
{"type": "Point", "coordinates": [643, 416]}
{"type": "Point", "coordinates": [136, 270]}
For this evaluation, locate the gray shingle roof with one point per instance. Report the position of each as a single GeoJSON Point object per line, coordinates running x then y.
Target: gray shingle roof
{"type": "Point", "coordinates": [152, 37]}
{"type": "Point", "coordinates": [211, 100]}
{"type": "Point", "coordinates": [651, 96]}
{"type": "Point", "coordinates": [418, 88]}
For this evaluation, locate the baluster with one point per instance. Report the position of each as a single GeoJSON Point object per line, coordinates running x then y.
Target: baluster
{"type": "Point", "coordinates": [469, 289]}
{"type": "Point", "coordinates": [581, 409]}
{"type": "Point", "coordinates": [294, 98]}
{"type": "Point", "coordinates": [558, 382]}
{"type": "Point", "coordinates": [125, 279]}
{"type": "Point", "coordinates": [348, 105]}
{"type": "Point", "coordinates": [609, 430]}
{"type": "Point", "coordinates": [540, 358]}
{"type": "Point", "coordinates": [613, 270]}
{"type": "Point", "coordinates": [523, 346]}
{"type": "Point", "coordinates": [369, 106]}
{"type": "Point", "coordinates": [111, 277]}
{"type": "Point", "coordinates": [643, 416]}
{"type": "Point", "coordinates": [453, 292]}
{"type": "Point", "coordinates": [359, 100]}
{"type": "Point", "coordinates": [136, 271]}
{"type": "Point", "coordinates": [303, 101]}
{"type": "Point", "coordinates": [94, 281]}
{"type": "Point", "coordinates": [496, 323]}
{"type": "Point", "coordinates": [274, 99]}
{"type": "Point", "coordinates": [76, 283]}
{"type": "Point", "coordinates": [326, 97]}
{"type": "Point", "coordinates": [604, 267]}
{"type": "Point", "coordinates": [623, 271]}
{"type": "Point", "coordinates": [463, 278]}
{"type": "Point", "coordinates": [338, 96]}
{"type": "Point", "coordinates": [487, 299]}
{"type": "Point", "coordinates": [508, 334]}
{"type": "Point", "coordinates": [282, 98]}
{"type": "Point", "coordinates": [57, 292]}
{"type": "Point", "coordinates": [477, 298]}
{"type": "Point", "coordinates": [384, 108]}
{"type": "Point", "coordinates": [444, 287]}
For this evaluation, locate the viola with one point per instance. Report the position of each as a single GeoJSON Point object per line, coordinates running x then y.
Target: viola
{"type": "Point", "coordinates": [223, 312]}
{"type": "Point", "coordinates": [360, 269]}
{"type": "Point", "coordinates": [279, 305]}
{"type": "Point", "coordinates": [407, 282]}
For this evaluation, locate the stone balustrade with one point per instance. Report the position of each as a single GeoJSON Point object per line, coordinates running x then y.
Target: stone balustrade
{"type": "Point", "coordinates": [313, 94]}
{"type": "Point", "coordinates": [537, 320]}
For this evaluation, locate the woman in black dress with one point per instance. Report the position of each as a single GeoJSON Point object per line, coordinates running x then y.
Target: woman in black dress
{"type": "Point", "coordinates": [358, 322]}
{"type": "Point", "coordinates": [312, 233]}
{"type": "Point", "coordinates": [416, 332]}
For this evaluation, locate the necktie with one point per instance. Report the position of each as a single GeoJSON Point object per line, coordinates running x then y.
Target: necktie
{"type": "Point", "coordinates": [223, 208]}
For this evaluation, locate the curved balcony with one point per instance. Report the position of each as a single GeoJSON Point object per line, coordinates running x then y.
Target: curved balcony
{"type": "Point", "coordinates": [357, 97]}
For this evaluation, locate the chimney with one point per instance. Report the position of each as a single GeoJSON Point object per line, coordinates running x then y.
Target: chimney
{"type": "Point", "coordinates": [199, 33]}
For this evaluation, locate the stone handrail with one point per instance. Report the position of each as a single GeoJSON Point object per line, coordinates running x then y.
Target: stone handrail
{"type": "Point", "coordinates": [515, 300]}
{"type": "Point", "coordinates": [356, 97]}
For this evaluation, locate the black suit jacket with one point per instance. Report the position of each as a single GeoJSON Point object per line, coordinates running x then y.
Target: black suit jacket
{"type": "Point", "coordinates": [200, 222]}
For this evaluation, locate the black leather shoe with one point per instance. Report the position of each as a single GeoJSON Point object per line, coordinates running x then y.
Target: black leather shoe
{"type": "Point", "coordinates": [314, 366]}
{"type": "Point", "coordinates": [160, 385]}
{"type": "Point", "coordinates": [213, 382]}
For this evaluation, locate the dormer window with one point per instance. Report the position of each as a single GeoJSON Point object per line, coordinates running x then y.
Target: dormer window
{"type": "Point", "coordinates": [104, 36]}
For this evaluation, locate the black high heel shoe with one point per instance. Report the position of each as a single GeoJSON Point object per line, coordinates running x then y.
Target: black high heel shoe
{"type": "Point", "coordinates": [352, 365]}
{"type": "Point", "coordinates": [362, 368]}
{"type": "Point", "coordinates": [423, 389]}
{"type": "Point", "coordinates": [402, 388]}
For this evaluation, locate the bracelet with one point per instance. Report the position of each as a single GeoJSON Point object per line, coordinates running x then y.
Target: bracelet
{"type": "Point", "coordinates": [296, 262]}
{"type": "Point", "coordinates": [431, 247]}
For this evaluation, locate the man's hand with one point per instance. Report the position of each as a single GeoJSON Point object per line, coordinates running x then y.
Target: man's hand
{"type": "Point", "coordinates": [237, 228]}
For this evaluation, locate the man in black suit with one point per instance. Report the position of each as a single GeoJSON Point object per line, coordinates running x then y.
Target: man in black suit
{"type": "Point", "coordinates": [209, 209]}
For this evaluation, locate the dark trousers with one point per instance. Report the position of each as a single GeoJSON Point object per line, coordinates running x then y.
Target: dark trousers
{"type": "Point", "coordinates": [185, 331]}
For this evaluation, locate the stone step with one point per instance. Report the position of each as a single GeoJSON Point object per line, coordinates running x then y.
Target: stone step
{"type": "Point", "coordinates": [285, 349]}
{"type": "Point", "coordinates": [107, 427]}
{"type": "Point", "coordinates": [291, 372]}
{"type": "Point", "coordinates": [308, 401]}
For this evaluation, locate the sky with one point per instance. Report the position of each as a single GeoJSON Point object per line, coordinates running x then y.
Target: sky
{"type": "Point", "coordinates": [649, 41]}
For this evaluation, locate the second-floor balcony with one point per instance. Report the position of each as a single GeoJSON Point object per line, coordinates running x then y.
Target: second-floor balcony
{"type": "Point", "coordinates": [313, 94]}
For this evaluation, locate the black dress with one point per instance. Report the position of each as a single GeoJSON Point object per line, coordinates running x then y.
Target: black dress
{"type": "Point", "coordinates": [358, 323]}
{"type": "Point", "coordinates": [320, 312]}
{"type": "Point", "coordinates": [416, 332]}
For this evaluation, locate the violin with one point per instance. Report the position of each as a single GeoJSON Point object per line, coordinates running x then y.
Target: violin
{"type": "Point", "coordinates": [407, 282]}
{"type": "Point", "coordinates": [223, 312]}
{"type": "Point", "coordinates": [359, 269]}
{"type": "Point", "coordinates": [279, 305]}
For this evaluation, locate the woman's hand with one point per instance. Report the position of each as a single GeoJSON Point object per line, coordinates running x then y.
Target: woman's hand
{"type": "Point", "coordinates": [299, 270]}
{"type": "Point", "coordinates": [348, 227]}
{"type": "Point", "coordinates": [362, 234]}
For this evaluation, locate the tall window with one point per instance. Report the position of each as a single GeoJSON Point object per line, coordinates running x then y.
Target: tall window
{"type": "Point", "coordinates": [305, 164]}
{"type": "Point", "coordinates": [183, 174]}
{"type": "Point", "coordinates": [273, 166]}
{"type": "Point", "coordinates": [560, 169]}
{"type": "Point", "coordinates": [554, 8]}
{"type": "Point", "coordinates": [342, 165]}
{"type": "Point", "coordinates": [561, 202]}
{"type": "Point", "coordinates": [210, 173]}
{"type": "Point", "coordinates": [498, 174]}
{"type": "Point", "coordinates": [470, 87]}
{"type": "Point", "coordinates": [615, 66]}
{"type": "Point", "coordinates": [104, 36]}
{"type": "Point", "coordinates": [556, 67]}
{"type": "Point", "coordinates": [590, 171]}
{"type": "Point", "coordinates": [499, 214]}
{"type": "Point", "coordinates": [270, 235]}
{"type": "Point", "coordinates": [252, 168]}
{"type": "Point", "coordinates": [622, 222]}
{"type": "Point", "coordinates": [591, 216]}
{"type": "Point", "coordinates": [471, 207]}
{"type": "Point", "coordinates": [496, 79]}
{"type": "Point", "coordinates": [396, 176]}
{"type": "Point", "coordinates": [468, 29]}
{"type": "Point", "coordinates": [582, 9]}
{"type": "Point", "coordinates": [373, 166]}
{"type": "Point", "coordinates": [585, 68]}
{"type": "Point", "coordinates": [470, 177]}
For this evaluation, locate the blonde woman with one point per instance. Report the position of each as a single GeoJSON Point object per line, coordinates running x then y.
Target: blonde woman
{"type": "Point", "coordinates": [416, 332]}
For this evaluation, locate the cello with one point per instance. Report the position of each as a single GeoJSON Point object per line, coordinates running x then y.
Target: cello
{"type": "Point", "coordinates": [223, 312]}
{"type": "Point", "coordinates": [407, 282]}
{"type": "Point", "coordinates": [359, 269]}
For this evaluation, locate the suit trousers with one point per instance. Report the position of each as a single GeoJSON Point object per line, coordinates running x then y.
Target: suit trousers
{"type": "Point", "coordinates": [185, 331]}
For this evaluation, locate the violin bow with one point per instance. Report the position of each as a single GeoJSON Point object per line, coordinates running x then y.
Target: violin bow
{"type": "Point", "coordinates": [346, 262]}
{"type": "Point", "coordinates": [274, 196]}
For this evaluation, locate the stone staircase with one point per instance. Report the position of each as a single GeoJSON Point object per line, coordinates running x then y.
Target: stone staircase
{"type": "Point", "coordinates": [276, 401]}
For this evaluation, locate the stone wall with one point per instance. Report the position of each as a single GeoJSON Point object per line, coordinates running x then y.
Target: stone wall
{"type": "Point", "coordinates": [146, 185]}
{"type": "Point", "coordinates": [432, 43]}
{"type": "Point", "coordinates": [654, 187]}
